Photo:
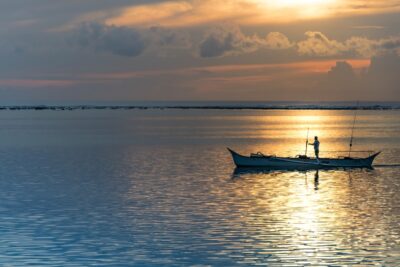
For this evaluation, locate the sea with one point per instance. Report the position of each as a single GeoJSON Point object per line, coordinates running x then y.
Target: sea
{"type": "Point", "coordinates": [156, 186]}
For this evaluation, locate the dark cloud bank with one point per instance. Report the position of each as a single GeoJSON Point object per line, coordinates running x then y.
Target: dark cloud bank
{"type": "Point", "coordinates": [120, 41]}
{"type": "Point", "coordinates": [381, 80]}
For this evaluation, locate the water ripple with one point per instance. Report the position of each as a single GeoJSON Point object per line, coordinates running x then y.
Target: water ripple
{"type": "Point", "coordinates": [95, 203]}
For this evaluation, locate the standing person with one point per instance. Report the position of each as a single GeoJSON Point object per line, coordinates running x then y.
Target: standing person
{"type": "Point", "coordinates": [316, 147]}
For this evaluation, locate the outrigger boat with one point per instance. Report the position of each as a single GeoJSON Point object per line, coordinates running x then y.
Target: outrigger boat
{"type": "Point", "coordinates": [260, 160]}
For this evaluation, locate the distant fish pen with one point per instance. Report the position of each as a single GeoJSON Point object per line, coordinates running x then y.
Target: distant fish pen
{"type": "Point", "coordinates": [210, 107]}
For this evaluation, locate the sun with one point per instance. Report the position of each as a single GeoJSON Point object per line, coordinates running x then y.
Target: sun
{"type": "Point", "coordinates": [299, 9]}
{"type": "Point", "coordinates": [301, 3]}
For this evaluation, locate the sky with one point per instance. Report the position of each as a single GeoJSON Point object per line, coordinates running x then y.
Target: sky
{"type": "Point", "coordinates": [199, 50]}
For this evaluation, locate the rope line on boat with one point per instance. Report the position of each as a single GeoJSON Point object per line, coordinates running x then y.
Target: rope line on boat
{"type": "Point", "coordinates": [386, 165]}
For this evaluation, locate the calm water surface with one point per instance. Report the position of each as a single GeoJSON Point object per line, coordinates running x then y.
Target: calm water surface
{"type": "Point", "coordinates": [158, 188]}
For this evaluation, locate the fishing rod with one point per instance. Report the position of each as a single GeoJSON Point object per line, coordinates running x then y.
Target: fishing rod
{"type": "Point", "coordinates": [308, 131]}
{"type": "Point", "coordinates": [352, 130]}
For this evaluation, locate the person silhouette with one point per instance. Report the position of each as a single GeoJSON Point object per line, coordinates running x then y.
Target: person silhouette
{"type": "Point", "coordinates": [316, 147]}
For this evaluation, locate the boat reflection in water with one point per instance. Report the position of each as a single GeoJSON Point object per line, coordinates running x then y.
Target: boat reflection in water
{"type": "Point", "coordinates": [316, 180]}
{"type": "Point", "coordinates": [239, 171]}
{"type": "Point", "coordinates": [268, 170]}
{"type": "Point", "coordinates": [260, 172]}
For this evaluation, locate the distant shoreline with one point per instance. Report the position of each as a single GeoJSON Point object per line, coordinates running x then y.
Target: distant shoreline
{"type": "Point", "coordinates": [208, 107]}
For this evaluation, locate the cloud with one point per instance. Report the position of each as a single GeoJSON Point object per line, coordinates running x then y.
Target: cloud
{"type": "Point", "coordinates": [44, 15]}
{"type": "Point", "coordinates": [127, 41]}
{"type": "Point", "coordinates": [220, 42]}
{"type": "Point", "coordinates": [342, 70]}
{"type": "Point", "coordinates": [390, 43]}
{"type": "Point", "coordinates": [227, 41]}
{"type": "Point", "coordinates": [378, 81]}
{"type": "Point", "coordinates": [151, 14]}
{"type": "Point", "coordinates": [317, 44]}
{"type": "Point", "coordinates": [120, 41]}
{"type": "Point", "coordinates": [320, 45]}
{"type": "Point", "coordinates": [164, 37]}
{"type": "Point", "coordinates": [382, 77]}
{"type": "Point", "coordinates": [223, 40]}
{"type": "Point", "coordinates": [216, 45]}
{"type": "Point", "coordinates": [189, 13]}
{"type": "Point", "coordinates": [360, 46]}
{"type": "Point", "coordinates": [277, 40]}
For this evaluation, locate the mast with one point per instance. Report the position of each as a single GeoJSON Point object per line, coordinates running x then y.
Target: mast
{"type": "Point", "coordinates": [352, 130]}
{"type": "Point", "coordinates": [308, 130]}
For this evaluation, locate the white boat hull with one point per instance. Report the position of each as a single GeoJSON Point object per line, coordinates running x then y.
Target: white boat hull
{"type": "Point", "coordinates": [260, 161]}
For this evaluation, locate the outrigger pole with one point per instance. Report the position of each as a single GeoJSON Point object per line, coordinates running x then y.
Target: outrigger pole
{"type": "Point", "coordinates": [308, 130]}
{"type": "Point", "coordinates": [352, 130]}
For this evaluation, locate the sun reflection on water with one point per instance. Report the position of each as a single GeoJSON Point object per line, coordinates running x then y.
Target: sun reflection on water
{"type": "Point", "coordinates": [313, 217]}
{"type": "Point", "coordinates": [157, 188]}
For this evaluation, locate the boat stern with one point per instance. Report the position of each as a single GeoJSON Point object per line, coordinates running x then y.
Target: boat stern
{"type": "Point", "coordinates": [371, 158]}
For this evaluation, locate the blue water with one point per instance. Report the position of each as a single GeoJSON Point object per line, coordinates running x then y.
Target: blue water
{"type": "Point", "coordinates": [158, 188]}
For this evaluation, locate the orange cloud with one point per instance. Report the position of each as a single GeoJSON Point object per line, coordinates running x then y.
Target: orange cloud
{"type": "Point", "coordinates": [148, 14]}
{"type": "Point", "coordinates": [183, 13]}
{"type": "Point", "coordinates": [260, 78]}
{"type": "Point", "coordinates": [297, 67]}
{"type": "Point", "coordinates": [318, 44]}
{"type": "Point", "coordinates": [198, 12]}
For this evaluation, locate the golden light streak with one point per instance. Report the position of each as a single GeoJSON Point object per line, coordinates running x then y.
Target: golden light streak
{"type": "Point", "coordinates": [295, 67]}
